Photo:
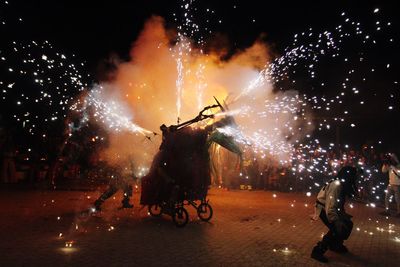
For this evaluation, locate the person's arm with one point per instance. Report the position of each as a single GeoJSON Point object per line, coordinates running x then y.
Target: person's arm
{"type": "Point", "coordinates": [385, 168]}
{"type": "Point", "coordinates": [333, 201]}
{"type": "Point", "coordinates": [396, 170]}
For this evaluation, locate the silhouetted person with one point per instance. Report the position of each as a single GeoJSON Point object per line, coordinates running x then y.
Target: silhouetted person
{"type": "Point", "coordinates": [117, 182]}
{"type": "Point", "coordinates": [392, 166]}
{"type": "Point", "coordinates": [330, 208]}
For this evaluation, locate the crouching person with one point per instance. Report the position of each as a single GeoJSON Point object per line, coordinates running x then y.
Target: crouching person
{"type": "Point", "coordinates": [329, 208]}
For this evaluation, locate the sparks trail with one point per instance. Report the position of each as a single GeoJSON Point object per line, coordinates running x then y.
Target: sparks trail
{"type": "Point", "coordinates": [306, 51]}
{"type": "Point", "coordinates": [53, 80]}
{"type": "Point", "coordinates": [188, 30]}
{"type": "Point", "coordinates": [111, 113]}
{"type": "Point", "coordinates": [308, 48]}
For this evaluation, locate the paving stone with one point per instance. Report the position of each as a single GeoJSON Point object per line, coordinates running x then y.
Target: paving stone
{"type": "Point", "coordinates": [249, 228]}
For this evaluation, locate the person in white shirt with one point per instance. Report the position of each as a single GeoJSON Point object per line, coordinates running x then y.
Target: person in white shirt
{"type": "Point", "coordinates": [392, 167]}
{"type": "Point", "coordinates": [330, 208]}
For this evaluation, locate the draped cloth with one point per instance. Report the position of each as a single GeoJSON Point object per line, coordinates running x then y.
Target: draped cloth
{"type": "Point", "coordinates": [183, 162]}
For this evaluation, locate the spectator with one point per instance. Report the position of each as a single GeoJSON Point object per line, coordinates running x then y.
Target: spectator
{"type": "Point", "coordinates": [392, 166]}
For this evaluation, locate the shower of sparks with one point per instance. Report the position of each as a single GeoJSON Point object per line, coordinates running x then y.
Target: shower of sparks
{"type": "Point", "coordinates": [40, 85]}
{"type": "Point", "coordinates": [111, 112]}
{"type": "Point", "coordinates": [188, 31]}
{"type": "Point", "coordinates": [201, 84]}
{"type": "Point", "coordinates": [307, 49]}
{"type": "Point", "coordinates": [179, 80]}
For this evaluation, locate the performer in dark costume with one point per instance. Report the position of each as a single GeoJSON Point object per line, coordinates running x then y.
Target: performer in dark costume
{"type": "Point", "coordinates": [117, 182]}
{"type": "Point", "coordinates": [183, 160]}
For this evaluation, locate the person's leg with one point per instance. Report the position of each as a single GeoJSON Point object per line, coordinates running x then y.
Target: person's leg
{"type": "Point", "coordinates": [396, 189]}
{"type": "Point", "coordinates": [329, 239]}
{"type": "Point", "coordinates": [127, 194]}
{"type": "Point", "coordinates": [336, 242]}
{"type": "Point", "coordinates": [387, 200]}
{"type": "Point", "coordinates": [389, 195]}
{"type": "Point", "coordinates": [111, 190]}
{"type": "Point", "coordinates": [323, 245]}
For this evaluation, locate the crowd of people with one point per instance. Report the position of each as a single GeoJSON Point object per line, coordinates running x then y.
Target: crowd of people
{"type": "Point", "coordinates": [308, 169]}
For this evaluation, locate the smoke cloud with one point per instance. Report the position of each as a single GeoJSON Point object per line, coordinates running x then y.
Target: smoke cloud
{"type": "Point", "coordinates": [146, 87]}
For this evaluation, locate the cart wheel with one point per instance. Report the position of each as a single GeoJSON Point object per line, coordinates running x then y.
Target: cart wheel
{"type": "Point", "coordinates": [205, 212]}
{"type": "Point", "coordinates": [155, 210]}
{"type": "Point", "coordinates": [180, 217]}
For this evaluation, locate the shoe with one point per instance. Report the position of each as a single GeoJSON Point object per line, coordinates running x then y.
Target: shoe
{"type": "Point", "coordinates": [319, 257]}
{"type": "Point", "coordinates": [385, 213]}
{"type": "Point", "coordinates": [341, 249]}
{"type": "Point", "coordinates": [316, 254]}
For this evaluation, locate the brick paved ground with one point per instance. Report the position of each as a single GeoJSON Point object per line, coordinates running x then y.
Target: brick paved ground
{"type": "Point", "coordinates": [248, 229]}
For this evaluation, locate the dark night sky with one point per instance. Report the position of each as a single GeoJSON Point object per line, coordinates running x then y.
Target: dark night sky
{"type": "Point", "coordinates": [95, 29]}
